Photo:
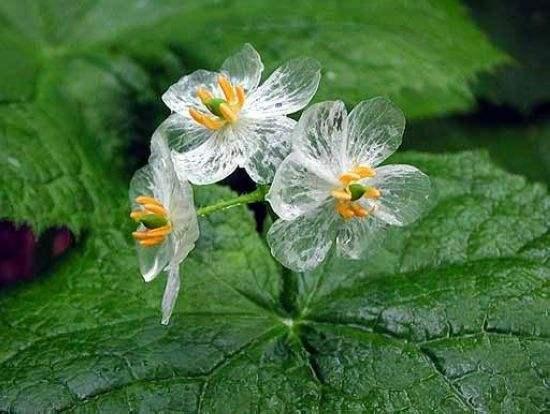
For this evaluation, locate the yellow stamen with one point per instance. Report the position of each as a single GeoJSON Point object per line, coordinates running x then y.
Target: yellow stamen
{"type": "Point", "coordinates": [228, 113]}
{"type": "Point", "coordinates": [372, 192]}
{"type": "Point", "coordinates": [348, 177]}
{"type": "Point", "coordinates": [206, 121]}
{"type": "Point", "coordinates": [364, 171]}
{"type": "Point", "coordinates": [161, 231]}
{"type": "Point", "coordinates": [138, 214]}
{"type": "Point", "coordinates": [240, 95]}
{"type": "Point", "coordinates": [144, 235]}
{"type": "Point", "coordinates": [341, 195]}
{"type": "Point", "coordinates": [148, 200]}
{"type": "Point", "coordinates": [151, 242]}
{"type": "Point", "coordinates": [155, 209]}
{"type": "Point", "coordinates": [358, 210]}
{"type": "Point", "coordinates": [227, 88]}
{"type": "Point", "coordinates": [204, 95]}
{"type": "Point", "coordinates": [344, 210]}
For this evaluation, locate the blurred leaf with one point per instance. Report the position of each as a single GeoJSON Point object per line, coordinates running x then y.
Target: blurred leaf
{"type": "Point", "coordinates": [451, 316]}
{"type": "Point", "coordinates": [66, 92]}
{"type": "Point", "coordinates": [422, 54]}
{"type": "Point", "coordinates": [522, 29]}
{"type": "Point", "coordinates": [521, 150]}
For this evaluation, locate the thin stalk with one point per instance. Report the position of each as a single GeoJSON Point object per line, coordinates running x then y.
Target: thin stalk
{"type": "Point", "coordinates": [252, 197]}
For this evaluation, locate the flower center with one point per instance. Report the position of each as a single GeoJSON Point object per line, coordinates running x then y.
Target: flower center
{"type": "Point", "coordinates": [154, 217]}
{"type": "Point", "coordinates": [221, 110]}
{"type": "Point", "coordinates": [352, 190]}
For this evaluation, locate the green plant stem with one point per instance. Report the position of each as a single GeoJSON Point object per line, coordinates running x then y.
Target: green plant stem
{"type": "Point", "coordinates": [252, 197]}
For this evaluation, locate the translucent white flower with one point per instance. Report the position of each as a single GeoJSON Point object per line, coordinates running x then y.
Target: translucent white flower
{"type": "Point", "coordinates": [168, 228]}
{"type": "Point", "coordinates": [222, 120]}
{"type": "Point", "coordinates": [329, 191]}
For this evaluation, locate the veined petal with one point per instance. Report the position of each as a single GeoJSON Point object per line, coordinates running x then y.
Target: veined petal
{"type": "Point", "coordinates": [299, 186]}
{"type": "Point", "coordinates": [185, 226]}
{"type": "Point", "coordinates": [303, 243]}
{"type": "Point", "coordinates": [405, 190]}
{"type": "Point", "coordinates": [287, 90]}
{"type": "Point", "coordinates": [358, 238]}
{"type": "Point", "coordinates": [183, 94]}
{"type": "Point", "coordinates": [375, 131]}
{"type": "Point", "coordinates": [264, 145]}
{"type": "Point", "coordinates": [320, 135]}
{"type": "Point", "coordinates": [170, 293]}
{"type": "Point", "coordinates": [182, 133]}
{"type": "Point", "coordinates": [244, 68]}
{"type": "Point", "coordinates": [212, 161]}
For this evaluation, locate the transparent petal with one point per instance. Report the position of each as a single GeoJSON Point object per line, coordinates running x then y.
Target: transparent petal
{"type": "Point", "coordinates": [182, 133]}
{"type": "Point", "coordinates": [212, 161]}
{"type": "Point", "coordinates": [359, 237]}
{"type": "Point", "coordinates": [375, 131]}
{"type": "Point", "coordinates": [182, 95]}
{"type": "Point", "coordinates": [287, 90]}
{"type": "Point", "coordinates": [321, 134]}
{"type": "Point", "coordinates": [244, 68]}
{"type": "Point", "coordinates": [264, 145]}
{"type": "Point", "coordinates": [303, 243]}
{"type": "Point", "coordinates": [184, 221]}
{"type": "Point", "coordinates": [299, 186]}
{"type": "Point", "coordinates": [170, 293]}
{"type": "Point", "coordinates": [405, 191]}
{"type": "Point", "coordinates": [152, 260]}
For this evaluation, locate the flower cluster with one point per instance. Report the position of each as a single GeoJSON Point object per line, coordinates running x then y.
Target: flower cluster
{"type": "Point", "coordinates": [327, 186]}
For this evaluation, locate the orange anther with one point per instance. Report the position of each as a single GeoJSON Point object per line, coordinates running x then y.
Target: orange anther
{"type": "Point", "coordinates": [228, 113]}
{"type": "Point", "coordinates": [227, 88]}
{"type": "Point", "coordinates": [151, 242]}
{"type": "Point", "coordinates": [372, 192]}
{"type": "Point", "coordinates": [358, 210]}
{"type": "Point", "coordinates": [341, 195]}
{"type": "Point", "coordinates": [155, 209]}
{"type": "Point", "coordinates": [204, 95]}
{"type": "Point", "coordinates": [206, 121]}
{"type": "Point", "coordinates": [364, 171]}
{"type": "Point", "coordinates": [240, 95]}
{"type": "Point", "coordinates": [348, 177]}
{"type": "Point", "coordinates": [147, 200]}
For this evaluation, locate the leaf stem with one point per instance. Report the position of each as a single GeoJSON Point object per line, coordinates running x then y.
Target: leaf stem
{"type": "Point", "coordinates": [253, 197]}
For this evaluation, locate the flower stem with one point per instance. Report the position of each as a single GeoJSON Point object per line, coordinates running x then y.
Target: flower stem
{"type": "Point", "coordinates": [253, 197]}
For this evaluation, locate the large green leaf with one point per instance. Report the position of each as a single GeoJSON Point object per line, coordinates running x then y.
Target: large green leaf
{"type": "Point", "coordinates": [450, 316]}
{"type": "Point", "coordinates": [422, 54]}
{"type": "Point", "coordinates": [521, 149]}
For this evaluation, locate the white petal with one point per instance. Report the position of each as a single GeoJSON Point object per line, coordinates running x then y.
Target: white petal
{"type": "Point", "coordinates": [321, 134]}
{"type": "Point", "coordinates": [298, 187]}
{"type": "Point", "coordinates": [182, 133]}
{"type": "Point", "coordinates": [359, 237]}
{"type": "Point", "coordinates": [184, 221]}
{"type": "Point", "coordinates": [152, 260]}
{"type": "Point", "coordinates": [170, 293]}
{"type": "Point", "coordinates": [303, 243]}
{"type": "Point", "coordinates": [375, 131]}
{"type": "Point", "coordinates": [244, 68]}
{"type": "Point", "coordinates": [183, 95]}
{"type": "Point", "coordinates": [264, 145]}
{"type": "Point", "coordinates": [287, 90]}
{"type": "Point", "coordinates": [405, 190]}
{"type": "Point", "coordinates": [212, 161]}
